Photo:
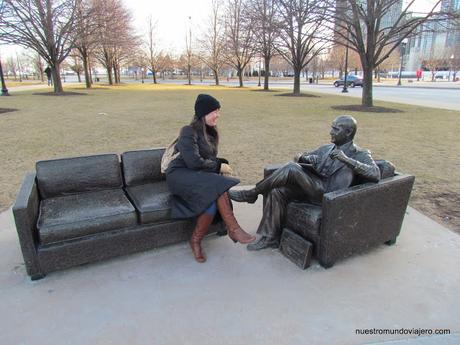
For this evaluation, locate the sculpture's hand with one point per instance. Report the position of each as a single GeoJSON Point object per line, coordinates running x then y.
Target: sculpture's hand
{"type": "Point", "coordinates": [338, 154]}
{"type": "Point", "coordinates": [225, 169]}
{"type": "Point", "coordinates": [298, 157]}
{"type": "Point", "coordinates": [310, 159]}
{"type": "Point", "coordinates": [313, 159]}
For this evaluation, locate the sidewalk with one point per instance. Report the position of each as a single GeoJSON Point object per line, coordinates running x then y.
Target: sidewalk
{"type": "Point", "coordinates": [237, 297]}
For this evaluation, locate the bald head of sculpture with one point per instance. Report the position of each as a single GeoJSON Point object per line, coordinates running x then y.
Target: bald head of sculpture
{"type": "Point", "coordinates": [343, 129]}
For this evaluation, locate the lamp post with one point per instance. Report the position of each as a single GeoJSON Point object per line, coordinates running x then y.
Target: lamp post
{"type": "Point", "coordinates": [345, 86]}
{"type": "Point", "coordinates": [403, 51]}
{"type": "Point", "coordinates": [4, 89]}
{"type": "Point", "coordinates": [259, 72]}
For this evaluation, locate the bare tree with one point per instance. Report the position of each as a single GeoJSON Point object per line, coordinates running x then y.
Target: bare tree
{"type": "Point", "coordinates": [240, 40]}
{"type": "Point", "coordinates": [302, 34]}
{"type": "Point", "coordinates": [165, 64]}
{"type": "Point", "coordinates": [212, 43]}
{"type": "Point", "coordinates": [46, 26]}
{"type": "Point", "coordinates": [362, 25]}
{"type": "Point", "coordinates": [115, 37]}
{"type": "Point", "coordinates": [266, 28]}
{"type": "Point", "coordinates": [76, 65]}
{"type": "Point", "coordinates": [10, 67]}
{"type": "Point", "coordinates": [87, 29]}
{"type": "Point", "coordinates": [151, 48]}
{"type": "Point", "coordinates": [39, 68]}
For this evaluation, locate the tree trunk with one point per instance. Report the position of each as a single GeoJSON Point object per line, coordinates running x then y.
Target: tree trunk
{"type": "Point", "coordinates": [189, 74]}
{"type": "Point", "coordinates": [79, 77]}
{"type": "Point", "coordinates": [86, 68]}
{"type": "Point", "coordinates": [297, 72]}
{"type": "Point", "coordinates": [367, 98]}
{"type": "Point", "coordinates": [240, 76]}
{"type": "Point", "coordinates": [267, 72]}
{"type": "Point", "coordinates": [154, 75]}
{"type": "Point", "coordinates": [57, 83]}
{"type": "Point", "coordinates": [109, 74]}
{"type": "Point", "coordinates": [216, 76]}
{"type": "Point", "coordinates": [115, 77]}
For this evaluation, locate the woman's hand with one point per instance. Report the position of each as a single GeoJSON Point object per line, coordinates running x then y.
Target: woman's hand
{"type": "Point", "coordinates": [225, 169]}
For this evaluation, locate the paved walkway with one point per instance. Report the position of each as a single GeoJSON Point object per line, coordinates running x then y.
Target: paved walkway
{"type": "Point", "coordinates": [237, 297]}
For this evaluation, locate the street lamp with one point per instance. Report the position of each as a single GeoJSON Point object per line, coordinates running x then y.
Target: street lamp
{"type": "Point", "coordinates": [259, 72]}
{"type": "Point", "coordinates": [403, 51]}
{"type": "Point", "coordinates": [345, 86]}
{"type": "Point", "coordinates": [4, 89]}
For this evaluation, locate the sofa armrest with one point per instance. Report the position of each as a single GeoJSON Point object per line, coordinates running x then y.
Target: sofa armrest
{"type": "Point", "coordinates": [25, 211]}
{"type": "Point", "coordinates": [360, 217]}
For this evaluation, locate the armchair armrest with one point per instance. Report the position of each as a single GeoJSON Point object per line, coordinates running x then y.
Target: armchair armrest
{"type": "Point", "coordinates": [364, 216]}
{"type": "Point", "coordinates": [25, 211]}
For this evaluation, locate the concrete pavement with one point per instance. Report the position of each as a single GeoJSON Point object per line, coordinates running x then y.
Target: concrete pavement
{"type": "Point", "coordinates": [237, 297]}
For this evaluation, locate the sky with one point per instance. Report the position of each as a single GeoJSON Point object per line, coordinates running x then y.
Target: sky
{"type": "Point", "coordinates": [172, 18]}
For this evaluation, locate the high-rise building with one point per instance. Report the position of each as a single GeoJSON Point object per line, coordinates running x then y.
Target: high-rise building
{"type": "Point", "coordinates": [435, 40]}
{"type": "Point", "coordinates": [392, 15]}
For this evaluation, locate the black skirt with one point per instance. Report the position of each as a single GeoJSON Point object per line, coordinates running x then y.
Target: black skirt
{"type": "Point", "coordinates": [195, 190]}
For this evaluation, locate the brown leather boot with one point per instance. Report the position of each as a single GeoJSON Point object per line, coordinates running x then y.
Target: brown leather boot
{"type": "Point", "coordinates": [234, 229]}
{"type": "Point", "coordinates": [201, 229]}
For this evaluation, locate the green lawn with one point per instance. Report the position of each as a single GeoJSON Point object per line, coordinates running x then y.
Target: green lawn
{"type": "Point", "coordinates": [256, 128]}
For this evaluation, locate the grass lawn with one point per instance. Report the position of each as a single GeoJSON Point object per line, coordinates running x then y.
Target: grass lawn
{"type": "Point", "coordinates": [25, 82]}
{"type": "Point", "coordinates": [256, 128]}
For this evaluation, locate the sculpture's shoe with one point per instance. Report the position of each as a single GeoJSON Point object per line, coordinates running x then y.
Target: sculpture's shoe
{"type": "Point", "coordinates": [249, 196]}
{"type": "Point", "coordinates": [262, 243]}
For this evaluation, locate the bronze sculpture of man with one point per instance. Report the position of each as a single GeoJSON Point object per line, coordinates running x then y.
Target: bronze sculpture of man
{"type": "Point", "coordinates": [328, 168]}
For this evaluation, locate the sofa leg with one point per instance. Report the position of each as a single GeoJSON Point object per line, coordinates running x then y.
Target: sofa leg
{"type": "Point", "coordinates": [327, 265]}
{"type": "Point", "coordinates": [391, 242]}
{"type": "Point", "coordinates": [37, 276]}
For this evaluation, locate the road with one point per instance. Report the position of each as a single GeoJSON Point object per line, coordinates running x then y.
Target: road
{"type": "Point", "coordinates": [429, 95]}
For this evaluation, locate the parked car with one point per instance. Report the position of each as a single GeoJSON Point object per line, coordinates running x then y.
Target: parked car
{"type": "Point", "coordinates": [352, 81]}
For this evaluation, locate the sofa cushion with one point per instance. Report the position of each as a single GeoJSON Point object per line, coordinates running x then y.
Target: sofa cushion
{"type": "Point", "coordinates": [67, 176]}
{"type": "Point", "coordinates": [387, 169]}
{"type": "Point", "coordinates": [143, 166]}
{"type": "Point", "coordinates": [152, 201]}
{"type": "Point", "coordinates": [78, 215]}
{"type": "Point", "coordinates": [304, 219]}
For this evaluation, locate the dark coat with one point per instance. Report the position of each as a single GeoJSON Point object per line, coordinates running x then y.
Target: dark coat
{"type": "Point", "coordinates": [193, 177]}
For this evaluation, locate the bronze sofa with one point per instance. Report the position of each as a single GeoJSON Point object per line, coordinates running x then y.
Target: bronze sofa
{"type": "Point", "coordinates": [78, 210]}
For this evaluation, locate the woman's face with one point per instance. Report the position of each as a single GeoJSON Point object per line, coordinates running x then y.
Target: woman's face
{"type": "Point", "coordinates": [211, 118]}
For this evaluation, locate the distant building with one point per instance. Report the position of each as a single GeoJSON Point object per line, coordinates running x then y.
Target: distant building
{"type": "Point", "coordinates": [392, 15]}
{"type": "Point", "coordinates": [435, 40]}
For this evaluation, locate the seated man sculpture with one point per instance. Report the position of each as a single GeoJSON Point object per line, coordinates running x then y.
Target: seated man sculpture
{"type": "Point", "coordinates": [328, 168]}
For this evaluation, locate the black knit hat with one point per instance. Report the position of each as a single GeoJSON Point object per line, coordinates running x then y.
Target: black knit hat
{"type": "Point", "coordinates": [205, 104]}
